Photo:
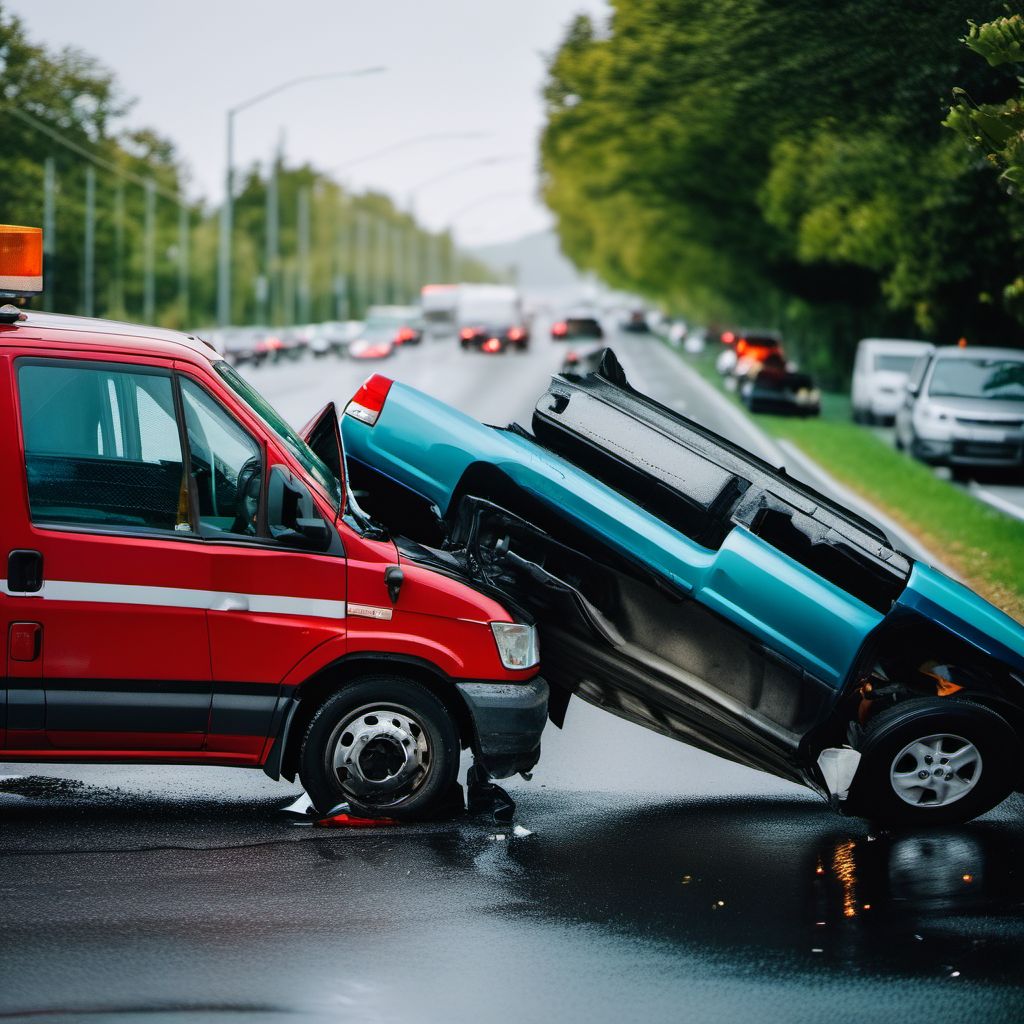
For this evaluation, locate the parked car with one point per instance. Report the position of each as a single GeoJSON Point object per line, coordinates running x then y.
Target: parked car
{"type": "Point", "coordinates": [964, 408]}
{"type": "Point", "coordinates": [374, 341]}
{"type": "Point", "coordinates": [683, 584]}
{"type": "Point", "coordinates": [190, 581]}
{"type": "Point", "coordinates": [236, 344]}
{"type": "Point", "coordinates": [577, 327]}
{"type": "Point", "coordinates": [776, 388]}
{"type": "Point", "coordinates": [332, 337]}
{"type": "Point", "coordinates": [636, 322]}
{"type": "Point", "coordinates": [744, 352]}
{"type": "Point", "coordinates": [404, 323]}
{"type": "Point", "coordinates": [880, 372]}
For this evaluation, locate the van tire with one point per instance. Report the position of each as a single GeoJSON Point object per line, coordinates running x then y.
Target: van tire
{"type": "Point", "coordinates": [401, 743]}
{"type": "Point", "coordinates": [874, 794]}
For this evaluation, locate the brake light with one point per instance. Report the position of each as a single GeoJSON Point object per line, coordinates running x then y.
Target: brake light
{"type": "Point", "coordinates": [467, 333]}
{"type": "Point", "coordinates": [405, 334]}
{"type": "Point", "coordinates": [21, 260]}
{"type": "Point", "coordinates": [728, 338]}
{"type": "Point", "coordinates": [516, 334]}
{"type": "Point", "coordinates": [560, 328]}
{"type": "Point", "coordinates": [368, 401]}
{"type": "Point", "coordinates": [492, 345]}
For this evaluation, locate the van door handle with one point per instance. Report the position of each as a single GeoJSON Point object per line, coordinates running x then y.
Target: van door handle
{"type": "Point", "coordinates": [24, 571]}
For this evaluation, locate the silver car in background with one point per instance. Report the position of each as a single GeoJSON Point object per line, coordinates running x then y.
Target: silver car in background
{"type": "Point", "coordinates": [964, 408]}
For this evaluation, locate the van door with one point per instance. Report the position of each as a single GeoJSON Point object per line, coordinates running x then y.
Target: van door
{"type": "Point", "coordinates": [106, 563]}
{"type": "Point", "coordinates": [287, 591]}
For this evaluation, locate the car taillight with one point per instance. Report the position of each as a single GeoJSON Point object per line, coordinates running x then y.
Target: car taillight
{"type": "Point", "coordinates": [405, 334]}
{"type": "Point", "coordinates": [560, 328]}
{"type": "Point", "coordinates": [515, 334]}
{"type": "Point", "coordinates": [492, 345]}
{"type": "Point", "coordinates": [467, 333]}
{"type": "Point", "coordinates": [728, 338]}
{"type": "Point", "coordinates": [368, 401]}
{"type": "Point", "coordinates": [741, 347]}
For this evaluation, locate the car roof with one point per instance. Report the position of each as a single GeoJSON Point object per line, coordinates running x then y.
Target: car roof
{"type": "Point", "coordinates": [978, 352]}
{"type": "Point", "coordinates": [107, 336]}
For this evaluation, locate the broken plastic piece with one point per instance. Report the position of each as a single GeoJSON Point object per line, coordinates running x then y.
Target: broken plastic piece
{"type": "Point", "coordinates": [482, 796]}
{"type": "Point", "coordinates": [301, 808]}
{"type": "Point", "coordinates": [521, 832]}
{"type": "Point", "coordinates": [838, 766]}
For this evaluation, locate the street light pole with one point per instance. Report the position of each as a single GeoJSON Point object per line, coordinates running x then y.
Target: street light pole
{"type": "Point", "coordinates": [227, 211]}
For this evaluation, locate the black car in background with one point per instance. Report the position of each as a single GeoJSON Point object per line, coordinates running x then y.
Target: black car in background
{"type": "Point", "coordinates": [577, 327]}
{"type": "Point", "coordinates": [494, 338]}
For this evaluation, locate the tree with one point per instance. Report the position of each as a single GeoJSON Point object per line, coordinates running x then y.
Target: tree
{"type": "Point", "coordinates": [785, 165]}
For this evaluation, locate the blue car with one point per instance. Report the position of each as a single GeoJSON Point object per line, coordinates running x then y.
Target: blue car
{"type": "Point", "coordinates": [681, 583]}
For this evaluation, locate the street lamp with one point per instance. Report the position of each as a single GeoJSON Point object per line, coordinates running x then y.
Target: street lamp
{"type": "Point", "coordinates": [483, 161]}
{"type": "Point", "coordinates": [491, 197]}
{"type": "Point", "coordinates": [407, 143]}
{"type": "Point", "coordinates": [227, 211]}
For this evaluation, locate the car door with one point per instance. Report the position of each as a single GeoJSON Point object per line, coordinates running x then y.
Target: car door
{"type": "Point", "coordinates": [106, 589]}
{"type": "Point", "coordinates": [905, 414]}
{"type": "Point", "coordinates": [286, 591]}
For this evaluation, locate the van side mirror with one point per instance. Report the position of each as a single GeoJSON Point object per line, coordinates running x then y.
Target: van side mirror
{"type": "Point", "coordinates": [291, 514]}
{"type": "Point", "coordinates": [913, 389]}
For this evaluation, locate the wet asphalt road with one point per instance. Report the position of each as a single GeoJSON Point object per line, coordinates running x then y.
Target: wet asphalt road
{"type": "Point", "coordinates": [659, 883]}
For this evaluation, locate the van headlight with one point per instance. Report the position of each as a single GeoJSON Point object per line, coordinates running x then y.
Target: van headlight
{"type": "Point", "coordinates": [517, 644]}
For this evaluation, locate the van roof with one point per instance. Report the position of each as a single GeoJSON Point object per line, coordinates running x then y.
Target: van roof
{"type": "Point", "coordinates": [108, 335]}
{"type": "Point", "coordinates": [904, 343]}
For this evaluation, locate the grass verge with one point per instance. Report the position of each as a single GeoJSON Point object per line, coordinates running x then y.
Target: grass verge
{"type": "Point", "coordinates": [982, 544]}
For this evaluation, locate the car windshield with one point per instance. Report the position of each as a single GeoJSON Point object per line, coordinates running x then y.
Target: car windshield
{"type": "Point", "coordinates": [978, 378]}
{"type": "Point", "coordinates": [890, 363]}
{"type": "Point", "coordinates": [309, 460]}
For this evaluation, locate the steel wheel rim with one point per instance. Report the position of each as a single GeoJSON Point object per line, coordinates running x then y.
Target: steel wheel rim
{"type": "Point", "coordinates": [380, 754]}
{"type": "Point", "coordinates": [935, 771]}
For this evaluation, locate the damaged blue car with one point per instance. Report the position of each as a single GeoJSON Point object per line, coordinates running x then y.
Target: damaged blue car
{"type": "Point", "coordinates": [685, 585]}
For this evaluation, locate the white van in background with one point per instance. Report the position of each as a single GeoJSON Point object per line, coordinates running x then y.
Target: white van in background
{"type": "Point", "coordinates": [880, 374]}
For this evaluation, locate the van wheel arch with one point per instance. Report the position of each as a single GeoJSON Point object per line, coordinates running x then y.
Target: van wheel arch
{"type": "Point", "coordinates": [348, 669]}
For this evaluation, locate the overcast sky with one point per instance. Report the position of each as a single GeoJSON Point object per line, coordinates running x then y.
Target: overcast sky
{"type": "Point", "coordinates": [453, 66]}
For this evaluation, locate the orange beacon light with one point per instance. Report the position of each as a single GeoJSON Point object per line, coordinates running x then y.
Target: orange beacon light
{"type": "Point", "coordinates": [21, 261]}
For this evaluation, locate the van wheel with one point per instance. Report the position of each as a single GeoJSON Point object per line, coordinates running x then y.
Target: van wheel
{"type": "Point", "coordinates": [934, 761]}
{"type": "Point", "coordinates": [384, 744]}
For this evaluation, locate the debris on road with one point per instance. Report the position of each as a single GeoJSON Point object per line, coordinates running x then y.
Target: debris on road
{"type": "Point", "coordinates": [483, 796]}
{"type": "Point", "coordinates": [346, 820]}
{"type": "Point", "coordinates": [838, 766]}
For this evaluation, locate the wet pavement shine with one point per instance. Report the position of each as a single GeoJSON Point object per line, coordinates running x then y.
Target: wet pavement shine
{"type": "Point", "coordinates": [659, 883]}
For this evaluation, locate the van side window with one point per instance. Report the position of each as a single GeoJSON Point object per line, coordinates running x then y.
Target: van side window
{"type": "Point", "coordinates": [226, 463]}
{"type": "Point", "coordinates": [102, 447]}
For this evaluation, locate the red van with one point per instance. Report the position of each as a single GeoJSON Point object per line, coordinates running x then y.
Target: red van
{"type": "Point", "coordinates": [188, 582]}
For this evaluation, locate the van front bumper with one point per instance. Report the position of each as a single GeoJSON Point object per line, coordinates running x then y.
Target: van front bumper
{"type": "Point", "coordinates": [508, 719]}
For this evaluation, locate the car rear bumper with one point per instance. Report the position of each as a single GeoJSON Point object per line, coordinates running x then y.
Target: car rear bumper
{"type": "Point", "coordinates": [508, 719]}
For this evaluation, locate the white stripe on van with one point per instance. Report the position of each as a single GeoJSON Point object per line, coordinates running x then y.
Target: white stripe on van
{"type": "Point", "coordinates": [180, 597]}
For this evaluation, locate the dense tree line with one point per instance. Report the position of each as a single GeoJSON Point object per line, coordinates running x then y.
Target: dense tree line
{"type": "Point", "coordinates": [66, 109]}
{"type": "Point", "coordinates": [786, 164]}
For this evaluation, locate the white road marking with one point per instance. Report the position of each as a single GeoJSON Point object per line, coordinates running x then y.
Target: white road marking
{"type": "Point", "coordinates": [997, 502]}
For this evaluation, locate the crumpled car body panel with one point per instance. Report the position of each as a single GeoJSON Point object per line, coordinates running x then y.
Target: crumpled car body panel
{"type": "Point", "coordinates": [677, 580]}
